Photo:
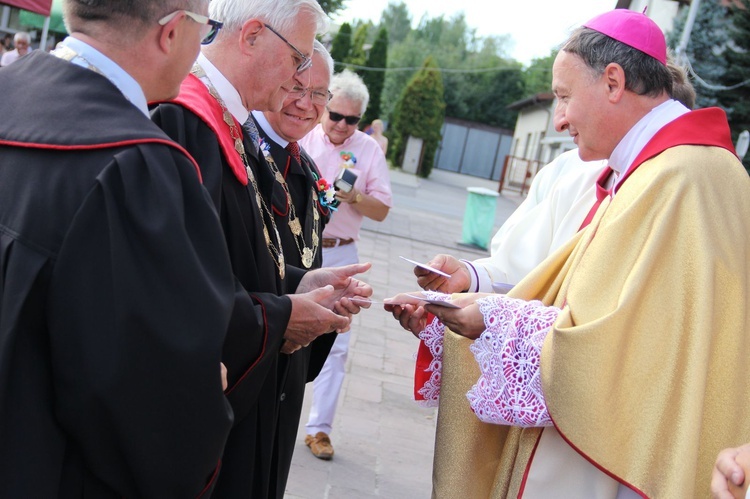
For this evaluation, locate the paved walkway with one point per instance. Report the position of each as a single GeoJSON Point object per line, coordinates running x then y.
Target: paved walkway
{"type": "Point", "coordinates": [383, 441]}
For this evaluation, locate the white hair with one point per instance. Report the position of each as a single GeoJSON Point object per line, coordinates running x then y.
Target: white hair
{"type": "Point", "coordinates": [280, 14]}
{"type": "Point", "coordinates": [21, 35]}
{"type": "Point", "coordinates": [320, 49]}
{"type": "Point", "coordinates": [350, 86]}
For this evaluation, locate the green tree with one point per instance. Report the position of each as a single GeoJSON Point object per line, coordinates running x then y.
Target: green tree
{"type": "Point", "coordinates": [341, 46]}
{"type": "Point", "coordinates": [331, 7]}
{"type": "Point", "coordinates": [377, 59]}
{"type": "Point", "coordinates": [397, 20]}
{"type": "Point", "coordinates": [357, 56]}
{"type": "Point", "coordinates": [479, 78]}
{"type": "Point", "coordinates": [708, 40]}
{"type": "Point", "coordinates": [537, 78]}
{"type": "Point", "coordinates": [737, 100]}
{"type": "Point", "coordinates": [420, 113]}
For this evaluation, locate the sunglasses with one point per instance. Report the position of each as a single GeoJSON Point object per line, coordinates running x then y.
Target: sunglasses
{"type": "Point", "coordinates": [350, 120]}
{"type": "Point", "coordinates": [306, 61]}
{"type": "Point", "coordinates": [211, 28]}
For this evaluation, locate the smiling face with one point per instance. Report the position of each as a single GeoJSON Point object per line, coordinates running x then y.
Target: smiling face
{"type": "Point", "coordinates": [275, 73]}
{"type": "Point", "coordinates": [300, 115]}
{"type": "Point", "coordinates": [582, 106]}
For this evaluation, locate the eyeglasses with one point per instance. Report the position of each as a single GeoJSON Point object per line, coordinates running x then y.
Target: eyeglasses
{"type": "Point", "coordinates": [306, 61]}
{"type": "Point", "coordinates": [350, 120]}
{"type": "Point", "coordinates": [318, 97]}
{"type": "Point", "coordinates": [211, 27]}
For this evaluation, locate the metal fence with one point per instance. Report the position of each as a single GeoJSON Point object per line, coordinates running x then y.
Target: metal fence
{"type": "Point", "coordinates": [473, 149]}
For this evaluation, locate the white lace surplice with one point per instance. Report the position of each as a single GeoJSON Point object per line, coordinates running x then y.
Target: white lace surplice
{"type": "Point", "coordinates": [509, 388]}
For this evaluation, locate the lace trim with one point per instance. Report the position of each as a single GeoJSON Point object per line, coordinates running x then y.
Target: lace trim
{"type": "Point", "coordinates": [509, 390]}
{"type": "Point", "coordinates": [432, 336]}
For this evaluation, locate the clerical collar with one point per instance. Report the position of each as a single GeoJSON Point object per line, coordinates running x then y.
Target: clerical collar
{"type": "Point", "coordinates": [87, 56]}
{"type": "Point", "coordinates": [226, 91]}
{"type": "Point", "coordinates": [266, 126]}
{"type": "Point", "coordinates": [637, 137]}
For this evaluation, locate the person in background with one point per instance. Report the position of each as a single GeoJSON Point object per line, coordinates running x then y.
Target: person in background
{"type": "Point", "coordinates": [560, 198]}
{"type": "Point", "coordinates": [377, 134]}
{"type": "Point", "coordinates": [261, 54]}
{"type": "Point", "coordinates": [301, 214]}
{"type": "Point", "coordinates": [561, 386]}
{"type": "Point", "coordinates": [22, 41]}
{"type": "Point", "coordinates": [116, 288]}
{"type": "Point", "coordinates": [338, 147]}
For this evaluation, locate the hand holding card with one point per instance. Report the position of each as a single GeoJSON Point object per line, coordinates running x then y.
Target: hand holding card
{"type": "Point", "coordinates": [426, 267]}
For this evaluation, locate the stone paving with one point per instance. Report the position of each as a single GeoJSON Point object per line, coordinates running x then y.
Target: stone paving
{"type": "Point", "coordinates": [383, 440]}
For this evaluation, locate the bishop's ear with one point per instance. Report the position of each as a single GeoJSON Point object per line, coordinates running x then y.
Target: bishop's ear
{"type": "Point", "coordinates": [614, 77]}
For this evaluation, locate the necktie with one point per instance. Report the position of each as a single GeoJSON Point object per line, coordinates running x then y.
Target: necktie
{"type": "Point", "coordinates": [293, 149]}
{"type": "Point", "coordinates": [252, 131]}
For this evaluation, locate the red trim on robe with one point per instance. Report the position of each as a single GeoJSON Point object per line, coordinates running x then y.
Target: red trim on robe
{"type": "Point", "coordinates": [597, 465]}
{"type": "Point", "coordinates": [601, 195]}
{"type": "Point", "coordinates": [262, 351]}
{"type": "Point", "coordinates": [702, 127]}
{"type": "Point", "coordinates": [528, 465]}
{"type": "Point", "coordinates": [105, 145]}
{"type": "Point", "coordinates": [195, 97]}
{"type": "Point", "coordinates": [210, 481]}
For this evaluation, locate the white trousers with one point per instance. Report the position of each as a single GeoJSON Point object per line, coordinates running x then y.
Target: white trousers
{"type": "Point", "coordinates": [327, 385]}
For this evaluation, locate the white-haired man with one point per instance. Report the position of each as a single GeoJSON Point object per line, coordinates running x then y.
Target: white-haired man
{"type": "Point", "coordinates": [21, 42]}
{"type": "Point", "coordinates": [262, 53]}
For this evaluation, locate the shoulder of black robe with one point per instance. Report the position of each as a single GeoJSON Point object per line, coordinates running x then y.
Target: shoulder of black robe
{"type": "Point", "coordinates": [261, 313]}
{"type": "Point", "coordinates": [115, 295]}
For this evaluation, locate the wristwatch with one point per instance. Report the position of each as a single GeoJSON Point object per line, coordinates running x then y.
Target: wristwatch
{"type": "Point", "coordinates": [357, 198]}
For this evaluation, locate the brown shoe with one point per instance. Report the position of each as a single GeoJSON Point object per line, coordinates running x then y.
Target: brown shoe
{"type": "Point", "coordinates": [320, 445]}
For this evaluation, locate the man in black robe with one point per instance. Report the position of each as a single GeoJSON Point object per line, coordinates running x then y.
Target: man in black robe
{"type": "Point", "coordinates": [301, 213]}
{"type": "Point", "coordinates": [116, 288]}
{"type": "Point", "coordinates": [253, 65]}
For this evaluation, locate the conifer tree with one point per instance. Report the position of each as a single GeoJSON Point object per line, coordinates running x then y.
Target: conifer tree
{"type": "Point", "coordinates": [708, 40]}
{"type": "Point", "coordinates": [374, 78]}
{"type": "Point", "coordinates": [420, 113]}
{"type": "Point", "coordinates": [341, 46]}
{"type": "Point", "coordinates": [737, 100]}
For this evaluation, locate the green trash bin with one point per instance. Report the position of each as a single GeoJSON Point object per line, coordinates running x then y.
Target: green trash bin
{"type": "Point", "coordinates": [479, 217]}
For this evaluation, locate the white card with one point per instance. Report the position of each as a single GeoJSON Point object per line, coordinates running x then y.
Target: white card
{"type": "Point", "coordinates": [427, 267]}
{"type": "Point", "coordinates": [440, 303]}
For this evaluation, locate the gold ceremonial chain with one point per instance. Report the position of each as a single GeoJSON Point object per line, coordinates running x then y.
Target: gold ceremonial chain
{"type": "Point", "coordinates": [306, 253]}
{"type": "Point", "coordinates": [275, 250]}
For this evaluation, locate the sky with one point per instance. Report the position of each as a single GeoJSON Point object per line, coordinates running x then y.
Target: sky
{"type": "Point", "coordinates": [535, 26]}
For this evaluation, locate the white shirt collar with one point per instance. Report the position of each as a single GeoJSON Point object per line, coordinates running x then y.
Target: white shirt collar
{"type": "Point", "coordinates": [88, 56]}
{"type": "Point", "coordinates": [226, 91]}
{"type": "Point", "coordinates": [637, 137]}
{"type": "Point", "coordinates": [266, 126]}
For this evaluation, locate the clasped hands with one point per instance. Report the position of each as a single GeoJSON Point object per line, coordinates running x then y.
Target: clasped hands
{"type": "Point", "coordinates": [323, 303]}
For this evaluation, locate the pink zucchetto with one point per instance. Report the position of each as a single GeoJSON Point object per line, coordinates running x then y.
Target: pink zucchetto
{"type": "Point", "coordinates": [633, 29]}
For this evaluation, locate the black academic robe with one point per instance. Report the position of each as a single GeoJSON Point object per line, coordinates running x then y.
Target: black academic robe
{"type": "Point", "coordinates": [303, 365]}
{"type": "Point", "coordinates": [261, 311]}
{"type": "Point", "coordinates": [115, 296]}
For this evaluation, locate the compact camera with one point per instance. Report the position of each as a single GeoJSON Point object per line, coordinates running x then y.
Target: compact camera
{"type": "Point", "coordinates": [345, 180]}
